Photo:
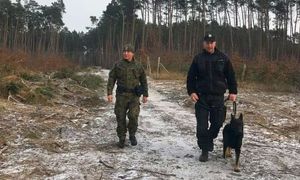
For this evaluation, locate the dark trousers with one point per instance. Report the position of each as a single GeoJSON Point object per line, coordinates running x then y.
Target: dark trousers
{"type": "Point", "coordinates": [209, 108]}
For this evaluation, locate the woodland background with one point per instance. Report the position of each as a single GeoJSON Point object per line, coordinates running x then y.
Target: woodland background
{"type": "Point", "coordinates": [262, 37]}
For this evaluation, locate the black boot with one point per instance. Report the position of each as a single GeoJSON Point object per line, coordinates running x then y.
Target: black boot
{"type": "Point", "coordinates": [211, 146]}
{"type": "Point", "coordinates": [133, 140]}
{"type": "Point", "coordinates": [204, 156]}
{"type": "Point", "coordinates": [121, 143]}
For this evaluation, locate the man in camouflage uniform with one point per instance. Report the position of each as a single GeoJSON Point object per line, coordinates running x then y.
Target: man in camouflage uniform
{"type": "Point", "coordinates": [131, 83]}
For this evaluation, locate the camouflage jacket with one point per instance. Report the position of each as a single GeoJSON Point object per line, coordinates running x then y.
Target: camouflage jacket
{"type": "Point", "coordinates": [129, 75]}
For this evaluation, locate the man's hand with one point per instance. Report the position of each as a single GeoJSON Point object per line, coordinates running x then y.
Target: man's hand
{"type": "Point", "coordinates": [109, 98]}
{"type": "Point", "coordinates": [232, 97]}
{"type": "Point", "coordinates": [145, 99]}
{"type": "Point", "coordinates": [194, 97]}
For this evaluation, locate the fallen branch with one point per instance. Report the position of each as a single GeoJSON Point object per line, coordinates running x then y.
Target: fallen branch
{"type": "Point", "coordinates": [257, 145]}
{"type": "Point", "coordinates": [10, 97]}
{"type": "Point", "coordinates": [4, 149]}
{"type": "Point", "coordinates": [274, 131]}
{"type": "Point", "coordinates": [22, 98]}
{"type": "Point", "coordinates": [72, 105]}
{"type": "Point", "coordinates": [106, 165]}
{"type": "Point", "coordinates": [51, 115]}
{"type": "Point", "coordinates": [23, 81]}
{"type": "Point", "coordinates": [150, 171]}
{"type": "Point", "coordinates": [87, 89]}
{"type": "Point", "coordinates": [67, 89]}
{"type": "Point", "coordinates": [101, 176]}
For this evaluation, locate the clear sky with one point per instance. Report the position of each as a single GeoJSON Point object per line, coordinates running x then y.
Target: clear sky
{"type": "Point", "coordinates": [78, 12]}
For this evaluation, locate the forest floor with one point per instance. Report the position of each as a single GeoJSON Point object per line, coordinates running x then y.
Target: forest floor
{"type": "Point", "coordinates": [73, 136]}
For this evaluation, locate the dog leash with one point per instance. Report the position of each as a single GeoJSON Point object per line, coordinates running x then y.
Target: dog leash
{"type": "Point", "coordinates": [233, 106]}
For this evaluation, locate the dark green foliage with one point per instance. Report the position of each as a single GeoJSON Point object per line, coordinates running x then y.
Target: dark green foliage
{"type": "Point", "coordinates": [46, 91]}
{"type": "Point", "coordinates": [12, 87]}
{"type": "Point", "coordinates": [30, 76]}
{"type": "Point", "coordinates": [89, 81]}
{"type": "Point", "coordinates": [64, 73]}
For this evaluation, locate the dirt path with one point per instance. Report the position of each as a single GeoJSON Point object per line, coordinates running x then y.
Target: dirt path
{"type": "Point", "coordinates": [84, 146]}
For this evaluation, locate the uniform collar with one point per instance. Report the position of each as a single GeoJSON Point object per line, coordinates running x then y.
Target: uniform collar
{"type": "Point", "coordinates": [215, 52]}
{"type": "Point", "coordinates": [132, 61]}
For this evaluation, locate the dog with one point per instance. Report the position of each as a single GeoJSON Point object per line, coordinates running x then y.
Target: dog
{"type": "Point", "coordinates": [233, 134]}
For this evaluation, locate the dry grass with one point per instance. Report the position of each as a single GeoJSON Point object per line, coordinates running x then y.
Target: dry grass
{"type": "Point", "coordinates": [35, 80]}
{"type": "Point", "coordinates": [19, 61]}
{"type": "Point", "coordinates": [169, 76]}
{"type": "Point", "coordinates": [261, 73]}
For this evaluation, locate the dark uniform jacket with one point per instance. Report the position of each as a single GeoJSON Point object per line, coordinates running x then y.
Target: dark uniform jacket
{"type": "Point", "coordinates": [211, 74]}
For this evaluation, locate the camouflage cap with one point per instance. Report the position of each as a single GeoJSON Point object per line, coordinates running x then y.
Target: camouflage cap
{"type": "Point", "coordinates": [128, 47]}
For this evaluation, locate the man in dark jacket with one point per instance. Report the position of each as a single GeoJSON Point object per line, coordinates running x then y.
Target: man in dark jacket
{"type": "Point", "coordinates": [210, 75]}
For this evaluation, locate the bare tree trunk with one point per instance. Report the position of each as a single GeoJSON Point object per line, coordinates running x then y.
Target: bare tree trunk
{"type": "Point", "coordinates": [39, 48]}
{"type": "Point", "coordinates": [267, 25]}
{"type": "Point", "coordinates": [299, 47]}
{"type": "Point", "coordinates": [5, 34]}
{"type": "Point", "coordinates": [154, 12]}
{"type": "Point", "coordinates": [15, 44]}
{"type": "Point", "coordinates": [57, 42]}
{"type": "Point", "coordinates": [123, 28]}
{"type": "Point", "coordinates": [185, 32]}
{"type": "Point", "coordinates": [291, 29]}
{"type": "Point", "coordinates": [170, 22]}
{"type": "Point", "coordinates": [191, 37]}
{"type": "Point", "coordinates": [243, 15]}
{"type": "Point", "coordinates": [236, 12]}
{"type": "Point", "coordinates": [249, 33]}
{"type": "Point", "coordinates": [143, 13]}
{"type": "Point", "coordinates": [291, 21]}
{"type": "Point", "coordinates": [159, 26]}
{"type": "Point", "coordinates": [231, 33]}
{"type": "Point", "coordinates": [297, 16]}
{"type": "Point", "coordinates": [204, 16]}
{"type": "Point", "coordinates": [133, 29]}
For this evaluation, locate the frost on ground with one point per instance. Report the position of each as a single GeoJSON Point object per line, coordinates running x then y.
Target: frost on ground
{"type": "Point", "coordinates": [65, 142]}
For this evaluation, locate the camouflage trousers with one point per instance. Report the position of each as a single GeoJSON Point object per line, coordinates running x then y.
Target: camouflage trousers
{"type": "Point", "coordinates": [127, 104]}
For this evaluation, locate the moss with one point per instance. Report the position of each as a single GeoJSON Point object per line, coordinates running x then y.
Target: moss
{"type": "Point", "coordinates": [13, 87]}
{"type": "Point", "coordinates": [30, 77]}
{"type": "Point", "coordinates": [40, 95]}
{"type": "Point", "coordinates": [46, 91]}
{"type": "Point", "coordinates": [89, 81]}
{"type": "Point", "coordinates": [92, 101]}
{"type": "Point", "coordinates": [6, 69]}
{"type": "Point", "coordinates": [64, 73]}
{"type": "Point", "coordinates": [32, 135]}
{"type": "Point", "coordinates": [10, 84]}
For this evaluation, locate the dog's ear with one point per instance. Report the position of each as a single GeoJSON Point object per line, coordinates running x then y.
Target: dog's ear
{"type": "Point", "coordinates": [232, 116]}
{"type": "Point", "coordinates": [241, 116]}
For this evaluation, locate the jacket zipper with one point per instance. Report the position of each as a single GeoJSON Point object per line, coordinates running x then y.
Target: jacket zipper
{"type": "Point", "coordinates": [210, 74]}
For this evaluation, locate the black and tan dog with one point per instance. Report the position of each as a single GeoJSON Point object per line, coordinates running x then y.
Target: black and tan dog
{"type": "Point", "coordinates": [233, 134]}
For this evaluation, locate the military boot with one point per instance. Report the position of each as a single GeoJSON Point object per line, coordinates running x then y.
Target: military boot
{"type": "Point", "coordinates": [133, 141]}
{"type": "Point", "coordinates": [121, 142]}
{"type": "Point", "coordinates": [204, 155]}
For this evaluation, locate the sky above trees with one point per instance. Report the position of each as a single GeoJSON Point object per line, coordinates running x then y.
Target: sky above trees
{"type": "Point", "coordinates": [78, 12]}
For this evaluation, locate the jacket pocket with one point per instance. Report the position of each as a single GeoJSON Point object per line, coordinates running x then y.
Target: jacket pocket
{"type": "Point", "coordinates": [135, 73]}
{"type": "Point", "coordinates": [220, 64]}
{"type": "Point", "coordinates": [120, 72]}
{"type": "Point", "coordinates": [221, 85]}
